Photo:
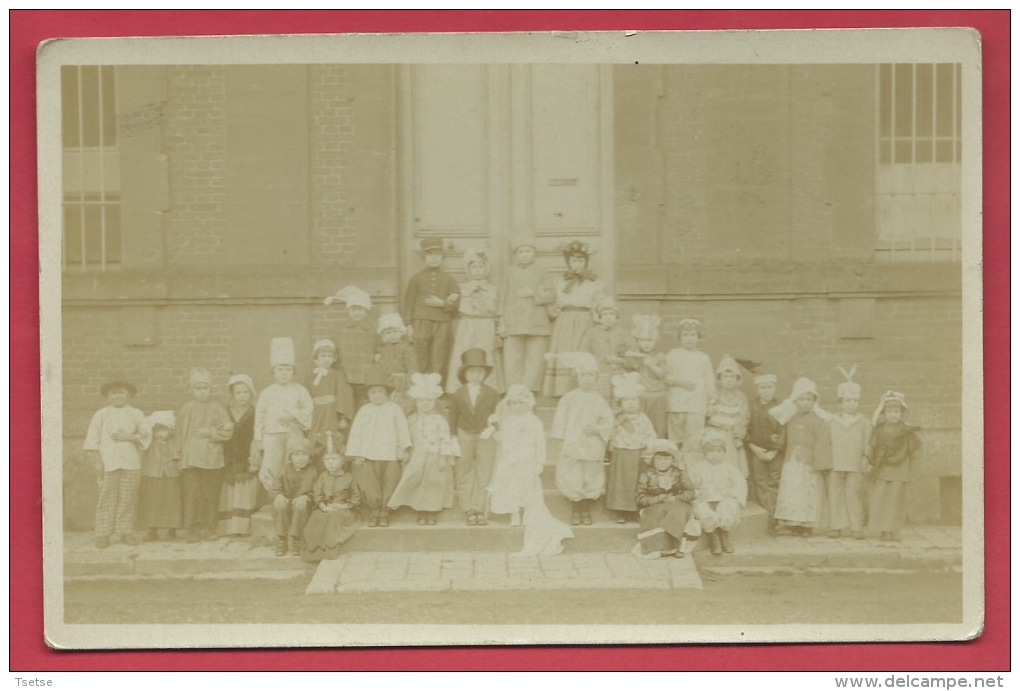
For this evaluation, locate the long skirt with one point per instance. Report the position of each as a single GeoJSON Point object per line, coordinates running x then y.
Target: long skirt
{"type": "Point", "coordinates": [326, 532]}
{"type": "Point", "coordinates": [567, 334]}
{"type": "Point", "coordinates": [159, 503]}
{"type": "Point", "coordinates": [801, 498]}
{"type": "Point", "coordinates": [237, 503]}
{"type": "Point", "coordinates": [621, 482]}
{"type": "Point", "coordinates": [887, 505]}
{"type": "Point", "coordinates": [426, 485]}
{"type": "Point", "coordinates": [663, 526]}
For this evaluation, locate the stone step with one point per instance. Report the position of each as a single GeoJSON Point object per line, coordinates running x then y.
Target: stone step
{"type": "Point", "coordinates": [451, 533]}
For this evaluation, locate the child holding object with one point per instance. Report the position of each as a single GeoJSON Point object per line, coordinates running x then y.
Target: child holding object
{"type": "Point", "coordinates": [284, 409]}
{"type": "Point", "coordinates": [430, 304]}
{"type": "Point", "coordinates": [665, 493]}
{"type": "Point", "coordinates": [334, 518]}
{"type": "Point", "coordinates": [470, 408]}
{"type": "Point", "coordinates": [895, 447]}
{"type": "Point", "coordinates": [426, 483]}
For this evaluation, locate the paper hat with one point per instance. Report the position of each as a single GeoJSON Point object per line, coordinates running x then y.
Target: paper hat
{"type": "Point", "coordinates": [888, 397]}
{"type": "Point", "coordinates": [472, 357]}
{"type": "Point", "coordinates": [521, 393]}
{"type": "Point", "coordinates": [375, 376]}
{"type": "Point", "coordinates": [646, 326]}
{"type": "Point", "coordinates": [431, 245]}
{"type": "Point", "coordinates": [522, 240]}
{"type": "Point", "coordinates": [351, 296]}
{"type": "Point", "coordinates": [472, 256]}
{"type": "Point", "coordinates": [627, 385]}
{"type": "Point", "coordinates": [577, 248]}
{"type": "Point", "coordinates": [391, 321]}
{"type": "Point", "coordinates": [114, 383]}
{"type": "Point", "coordinates": [659, 446]}
{"type": "Point", "coordinates": [331, 449]}
{"type": "Point", "coordinates": [241, 379]}
{"type": "Point", "coordinates": [848, 388]}
{"type": "Point", "coordinates": [689, 324]}
{"type": "Point", "coordinates": [323, 343]}
{"type": "Point", "coordinates": [576, 361]}
{"type": "Point", "coordinates": [788, 408]}
{"type": "Point", "coordinates": [296, 442]}
{"type": "Point", "coordinates": [728, 364]}
{"type": "Point", "coordinates": [425, 386]}
{"type": "Point", "coordinates": [281, 351]}
{"type": "Point", "coordinates": [606, 303]}
{"type": "Point", "coordinates": [161, 417]}
{"type": "Point", "coordinates": [712, 435]}
{"type": "Point", "coordinates": [199, 375]}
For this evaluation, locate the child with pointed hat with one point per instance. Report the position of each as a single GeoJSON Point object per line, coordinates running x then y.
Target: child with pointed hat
{"type": "Point", "coordinates": [335, 498]}
{"type": "Point", "coordinates": [426, 483]}
{"type": "Point", "coordinates": [631, 434]}
{"type": "Point", "coordinates": [895, 451]}
{"type": "Point", "coordinates": [283, 410]}
{"type": "Point", "coordinates": [850, 431]}
{"type": "Point", "coordinates": [584, 422]}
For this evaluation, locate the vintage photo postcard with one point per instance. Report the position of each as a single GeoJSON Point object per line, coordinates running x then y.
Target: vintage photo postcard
{"type": "Point", "coordinates": [467, 339]}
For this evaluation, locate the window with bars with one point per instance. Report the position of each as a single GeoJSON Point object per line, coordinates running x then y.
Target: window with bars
{"type": "Point", "coordinates": [91, 168]}
{"type": "Point", "coordinates": [918, 159]}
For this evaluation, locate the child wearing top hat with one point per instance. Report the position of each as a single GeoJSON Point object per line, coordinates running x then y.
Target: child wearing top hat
{"type": "Point", "coordinates": [203, 425]}
{"type": "Point", "coordinates": [691, 384]}
{"type": "Point", "coordinates": [524, 297]}
{"type": "Point", "coordinates": [577, 293]}
{"type": "Point", "coordinates": [850, 432]}
{"type": "Point", "coordinates": [356, 340]}
{"type": "Point", "coordinates": [332, 397]}
{"type": "Point", "coordinates": [159, 497]}
{"type": "Point", "coordinates": [284, 409]}
{"type": "Point", "coordinates": [476, 326]}
{"type": "Point", "coordinates": [584, 422]}
{"type": "Point", "coordinates": [895, 448]}
{"type": "Point", "coordinates": [800, 502]}
{"type": "Point", "coordinates": [378, 442]}
{"type": "Point", "coordinates": [426, 481]}
{"type": "Point", "coordinates": [430, 304]}
{"type": "Point", "coordinates": [471, 405]}
{"type": "Point", "coordinates": [116, 437]}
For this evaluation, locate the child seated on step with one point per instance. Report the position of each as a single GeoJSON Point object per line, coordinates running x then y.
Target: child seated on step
{"type": "Point", "coordinates": [720, 490]}
{"type": "Point", "coordinates": [334, 518]}
{"type": "Point", "coordinates": [665, 493]}
{"type": "Point", "coordinates": [291, 496]}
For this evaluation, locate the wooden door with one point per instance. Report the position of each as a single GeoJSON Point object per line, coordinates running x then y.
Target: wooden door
{"type": "Point", "coordinates": [489, 151]}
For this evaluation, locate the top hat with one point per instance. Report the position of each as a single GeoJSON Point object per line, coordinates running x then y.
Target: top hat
{"type": "Point", "coordinates": [472, 357]}
{"type": "Point", "coordinates": [117, 384]}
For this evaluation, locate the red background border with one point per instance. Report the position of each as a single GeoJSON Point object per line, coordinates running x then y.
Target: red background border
{"type": "Point", "coordinates": [28, 650]}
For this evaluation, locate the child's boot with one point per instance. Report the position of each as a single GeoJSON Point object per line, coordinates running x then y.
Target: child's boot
{"type": "Point", "coordinates": [586, 511]}
{"type": "Point", "coordinates": [713, 543]}
{"type": "Point", "coordinates": [373, 519]}
{"type": "Point", "coordinates": [295, 545]}
{"type": "Point", "coordinates": [724, 541]}
{"type": "Point", "coordinates": [281, 546]}
{"type": "Point", "coordinates": [384, 519]}
{"type": "Point", "coordinates": [575, 513]}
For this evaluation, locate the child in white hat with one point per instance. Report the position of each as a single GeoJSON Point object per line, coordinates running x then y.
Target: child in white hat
{"type": "Point", "coordinates": [284, 409]}
{"type": "Point", "coordinates": [203, 425]}
{"type": "Point", "coordinates": [584, 422]}
{"type": "Point", "coordinates": [720, 489]}
{"type": "Point", "coordinates": [632, 433]}
{"type": "Point", "coordinates": [426, 484]}
{"type": "Point", "coordinates": [649, 361]}
{"type": "Point", "coordinates": [476, 327]}
{"type": "Point", "coordinates": [356, 338]}
{"type": "Point", "coordinates": [608, 342]}
{"type": "Point", "coordinates": [395, 359]}
{"type": "Point", "coordinates": [895, 449]}
{"type": "Point", "coordinates": [730, 412]}
{"type": "Point", "coordinates": [159, 497]}
{"type": "Point", "coordinates": [577, 293]}
{"type": "Point", "coordinates": [850, 432]}
{"type": "Point", "coordinates": [524, 326]}
{"type": "Point", "coordinates": [800, 503]}
{"type": "Point", "coordinates": [691, 383]}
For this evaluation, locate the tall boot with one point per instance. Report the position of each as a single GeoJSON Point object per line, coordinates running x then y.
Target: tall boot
{"type": "Point", "coordinates": [713, 542]}
{"type": "Point", "coordinates": [724, 539]}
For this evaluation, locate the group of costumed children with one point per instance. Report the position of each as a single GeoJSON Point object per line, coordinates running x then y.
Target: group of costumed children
{"type": "Point", "coordinates": [367, 432]}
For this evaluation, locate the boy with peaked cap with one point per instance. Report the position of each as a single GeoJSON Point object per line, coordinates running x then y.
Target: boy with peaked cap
{"type": "Point", "coordinates": [356, 341]}
{"type": "Point", "coordinates": [524, 297]}
{"type": "Point", "coordinates": [379, 442]}
{"type": "Point", "coordinates": [116, 437]}
{"type": "Point", "coordinates": [291, 496]}
{"type": "Point", "coordinates": [203, 425]}
{"type": "Point", "coordinates": [284, 409]}
{"type": "Point", "coordinates": [766, 440]}
{"type": "Point", "coordinates": [470, 408]}
{"type": "Point", "coordinates": [844, 484]}
{"type": "Point", "coordinates": [430, 304]}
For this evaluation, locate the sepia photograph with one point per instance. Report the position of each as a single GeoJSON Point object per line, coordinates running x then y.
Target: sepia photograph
{"type": "Point", "coordinates": [512, 339]}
